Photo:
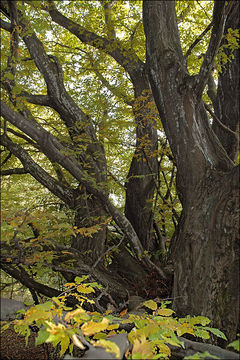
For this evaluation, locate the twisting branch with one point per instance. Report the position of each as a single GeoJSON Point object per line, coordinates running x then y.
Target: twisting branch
{"type": "Point", "coordinates": [53, 149]}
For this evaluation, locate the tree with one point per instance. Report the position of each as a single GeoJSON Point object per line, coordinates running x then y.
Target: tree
{"type": "Point", "coordinates": [79, 117]}
{"type": "Point", "coordinates": [205, 250]}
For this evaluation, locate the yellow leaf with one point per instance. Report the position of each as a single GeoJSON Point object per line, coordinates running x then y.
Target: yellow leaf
{"type": "Point", "coordinates": [64, 345]}
{"type": "Point", "coordinates": [165, 312]}
{"type": "Point", "coordinates": [150, 304]}
{"type": "Point", "coordinates": [143, 347]}
{"type": "Point", "coordinates": [184, 329]}
{"type": "Point", "coordinates": [109, 346]}
{"type": "Point", "coordinates": [113, 326]}
{"type": "Point", "coordinates": [108, 312]}
{"type": "Point", "coordinates": [83, 289]}
{"type": "Point", "coordinates": [73, 313]}
{"type": "Point", "coordinates": [163, 348]}
{"type": "Point", "coordinates": [92, 327]}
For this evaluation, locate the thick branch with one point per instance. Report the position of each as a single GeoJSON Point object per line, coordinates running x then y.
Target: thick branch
{"type": "Point", "coordinates": [127, 59]}
{"type": "Point", "coordinates": [37, 99]}
{"type": "Point", "coordinates": [5, 25]}
{"type": "Point", "coordinates": [191, 347]}
{"type": "Point", "coordinates": [22, 276]}
{"type": "Point", "coordinates": [16, 171]}
{"type": "Point", "coordinates": [219, 18]}
{"type": "Point", "coordinates": [30, 166]}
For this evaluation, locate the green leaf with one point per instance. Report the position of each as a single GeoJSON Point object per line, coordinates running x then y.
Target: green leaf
{"type": "Point", "coordinates": [46, 306]}
{"type": "Point", "coordinates": [201, 333]}
{"type": "Point", "coordinates": [203, 320]}
{"type": "Point", "coordinates": [79, 280]}
{"type": "Point", "coordinates": [64, 344]}
{"type": "Point", "coordinates": [235, 344]}
{"type": "Point", "coordinates": [216, 332]}
{"type": "Point", "coordinates": [43, 335]}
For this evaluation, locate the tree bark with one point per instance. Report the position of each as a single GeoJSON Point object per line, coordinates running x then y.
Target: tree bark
{"type": "Point", "coordinates": [226, 100]}
{"type": "Point", "coordinates": [206, 256]}
{"type": "Point", "coordinates": [205, 252]}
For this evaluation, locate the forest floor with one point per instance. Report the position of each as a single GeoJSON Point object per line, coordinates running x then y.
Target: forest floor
{"type": "Point", "coordinates": [13, 347]}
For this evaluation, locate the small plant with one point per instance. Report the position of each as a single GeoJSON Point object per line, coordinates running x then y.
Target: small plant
{"type": "Point", "coordinates": [150, 337]}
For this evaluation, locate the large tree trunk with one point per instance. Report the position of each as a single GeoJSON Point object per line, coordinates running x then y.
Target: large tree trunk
{"type": "Point", "coordinates": [206, 255]}
{"type": "Point", "coordinates": [205, 250]}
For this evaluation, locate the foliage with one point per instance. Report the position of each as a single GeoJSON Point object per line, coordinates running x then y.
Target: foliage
{"type": "Point", "coordinates": [153, 331]}
{"type": "Point", "coordinates": [235, 344]}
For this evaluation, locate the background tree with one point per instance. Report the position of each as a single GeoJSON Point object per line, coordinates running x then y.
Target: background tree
{"type": "Point", "coordinates": [205, 250]}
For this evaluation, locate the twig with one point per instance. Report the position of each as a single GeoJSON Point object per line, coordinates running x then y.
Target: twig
{"type": "Point", "coordinates": [108, 250]}
{"type": "Point", "coordinates": [224, 127]}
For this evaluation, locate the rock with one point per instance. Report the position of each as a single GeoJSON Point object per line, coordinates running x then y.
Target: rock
{"type": "Point", "coordinates": [9, 308]}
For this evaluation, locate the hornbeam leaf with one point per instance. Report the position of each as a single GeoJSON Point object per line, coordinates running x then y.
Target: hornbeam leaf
{"type": "Point", "coordinates": [92, 327]}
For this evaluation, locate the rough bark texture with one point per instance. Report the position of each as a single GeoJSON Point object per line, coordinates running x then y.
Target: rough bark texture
{"type": "Point", "coordinates": [226, 100]}
{"type": "Point", "coordinates": [205, 252]}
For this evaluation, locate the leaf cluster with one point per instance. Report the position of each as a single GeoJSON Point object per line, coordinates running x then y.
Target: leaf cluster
{"type": "Point", "coordinates": [152, 335]}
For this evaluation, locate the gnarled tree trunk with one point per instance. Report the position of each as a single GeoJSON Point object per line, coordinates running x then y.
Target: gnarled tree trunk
{"type": "Point", "coordinates": [205, 252]}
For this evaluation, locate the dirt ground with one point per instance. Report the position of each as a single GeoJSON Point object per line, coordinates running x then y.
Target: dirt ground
{"type": "Point", "coordinates": [13, 347]}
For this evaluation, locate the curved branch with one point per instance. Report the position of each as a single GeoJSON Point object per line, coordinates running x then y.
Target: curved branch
{"type": "Point", "coordinates": [224, 127]}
